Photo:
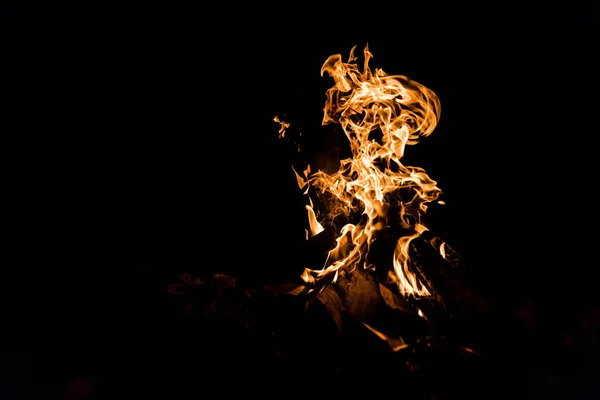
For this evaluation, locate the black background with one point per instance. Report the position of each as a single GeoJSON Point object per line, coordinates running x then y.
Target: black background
{"type": "Point", "coordinates": [141, 144]}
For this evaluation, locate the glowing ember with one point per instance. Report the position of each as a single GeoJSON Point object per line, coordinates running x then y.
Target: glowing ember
{"type": "Point", "coordinates": [379, 114]}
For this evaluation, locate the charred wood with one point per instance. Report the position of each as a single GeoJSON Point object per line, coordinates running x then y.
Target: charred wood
{"type": "Point", "coordinates": [445, 279]}
{"type": "Point", "coordinates": [357, 297]}
{"type": "Point", "coordinates": [446, 251]}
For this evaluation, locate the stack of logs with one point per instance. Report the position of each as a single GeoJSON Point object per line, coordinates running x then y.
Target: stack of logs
{"type": "Point", "coordinates": [357, 327]}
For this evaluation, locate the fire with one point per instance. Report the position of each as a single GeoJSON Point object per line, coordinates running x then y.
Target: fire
{"type": "Point", "coordinates": [380, 115]}
{"type": "Point", "coordinates": [283, 126]}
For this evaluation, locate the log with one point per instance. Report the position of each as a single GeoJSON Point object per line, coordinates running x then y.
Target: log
{"type": "Point", "coordinates": [450, 255]}
{"type": "Point", "coordinates": [445, 279]}
{"type": "Point", "coordinates": [358, 298]}
{"type": "Point", "coordinates": [355, 293]}
{"type": "Point", "coordinates": [292, 339]}
{"type": "Point", "coordinates": [314, 251]}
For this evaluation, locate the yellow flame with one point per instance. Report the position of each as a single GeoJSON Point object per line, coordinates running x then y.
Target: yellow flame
{"type": "Point", "coordinates": [282, 126]}
{"type": "Point", "coordinates": [443, 249]}
{"type": "Point", "coordinates": [379, 114]}
{"type": "Point", "coordinates": [314, 225]}
{"type": "Point", "coordinates": [302, 182]}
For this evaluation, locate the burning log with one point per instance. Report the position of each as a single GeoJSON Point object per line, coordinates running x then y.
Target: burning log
{"type": "Point", "coordinates": [357, 298]}
{"type": "Point", "coordinates": [445, 279]}
{"type": "Point", "coordinates": [354, 294]}
{"type": "Point", "coordinates": [448, 253]}
{"type": "Point", "coordinates": [354, 329]}
{"type": "Point", "coordinates": [315, 249]}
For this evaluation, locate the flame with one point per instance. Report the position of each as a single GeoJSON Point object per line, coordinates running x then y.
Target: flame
{"type": "Point", "coordinates": [282, 126]}
{"type": "Point", "coordinates": [443, 249]}
{"type": "Point", "coordinates": [396, 343]}
{"type": "Point", "coordinates": [379, 114]}
{"type": "Point", "coordinates": [313, 223]}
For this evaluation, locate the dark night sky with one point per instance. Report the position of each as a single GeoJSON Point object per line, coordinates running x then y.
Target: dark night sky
{"type": "Point", "coordinates": [147, 133]}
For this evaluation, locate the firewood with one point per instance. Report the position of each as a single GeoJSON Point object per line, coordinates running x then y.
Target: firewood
{"type": "Point", "coordinates": [315, 249]}
{"type": "Point", "coordinates": [358, 296]}
{"type": "Point", "coordinates": [332, 300]}
{"type": "Point", "coordinates": [449, 254]}
{"type": "Point", "coordinates": [360, 292]}
{"type": "Point", "coordinates": [355, 293]}
{"type": "Point", "coordinates": [445, 280]}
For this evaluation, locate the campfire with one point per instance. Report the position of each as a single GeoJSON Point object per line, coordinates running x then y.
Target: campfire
{"type": "Point", "coordinates": [380, 115]}
{"type": "Point", "coordinates": [373, 203]}
{"type": "Point", "coordinates": [373, 266]}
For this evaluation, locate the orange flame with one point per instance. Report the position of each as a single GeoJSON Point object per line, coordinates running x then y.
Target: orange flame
{"type": "Point", "coordinates": [283, 126]}
{"type": "Point", "coordinates": [379, 114]}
